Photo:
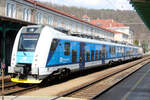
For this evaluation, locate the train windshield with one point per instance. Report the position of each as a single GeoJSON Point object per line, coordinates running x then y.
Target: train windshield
{"type": "Point", "coordinates": [28, 42]}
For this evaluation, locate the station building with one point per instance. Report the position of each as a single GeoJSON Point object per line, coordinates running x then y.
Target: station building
{"type": "Point", "coordinates": [16, 13]}
{"type": "Point", "coordinates": [35, 12]}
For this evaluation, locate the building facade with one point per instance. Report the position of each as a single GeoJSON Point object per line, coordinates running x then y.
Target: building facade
{"type": "Point", "coordinates": [122, 33]}
{"type": "Point", "coordinates": [35, 12]}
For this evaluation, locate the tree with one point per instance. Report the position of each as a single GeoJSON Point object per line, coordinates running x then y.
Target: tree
{"type": "Point", "coordinates": [145, 46]}
{"type": "Point", "coordinates": [136, 42]}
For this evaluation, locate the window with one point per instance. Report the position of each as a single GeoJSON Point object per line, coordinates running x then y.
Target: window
{"type": "Point", "coordinates": [26, 14]}
{"type": "Point", "coordinates": [106, 54]}
{"type": "Point", "coordinates": [60, 23]}
{"type": "Point", "coordinates": [74, 56]}
{"type": "Point", "coordinates": [28, 42]}
{"type": "Point", "coordinates": [114, 50]}
{"type": "Point", "coordinates": [67, 25]}
{"type": "Point", "coordinates": [88, 55]}
{"type": "Point", "coordinates": [11, 10]}
{"type": "Point", "coordinates": [54, 45]}
{"type": "Point", "coordinates": [50, 20]}
{"type": "Point", "coordinates": [39, 18]}
{"type": "Point", "coordinates": [79, 26]}
{"type": "Point", "coordinates": [99, 54]}
{"type": "Point", "coordinates": [73, 27]}
{"type": "Point", "coordinates": [67, 49]}
{"type": "Point", "coordinates": [92, 55]}
{"type": "Point", "coordinates": [96, 54]}
{"type": "Point", "coordinates": [110, 50]}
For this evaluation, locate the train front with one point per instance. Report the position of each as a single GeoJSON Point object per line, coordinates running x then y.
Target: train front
{"type": "Point", "coordinates": [23, 55]}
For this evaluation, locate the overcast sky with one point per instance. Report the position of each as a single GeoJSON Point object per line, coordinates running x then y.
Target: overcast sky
{"type": "Point", "coordinates": [95, 4]}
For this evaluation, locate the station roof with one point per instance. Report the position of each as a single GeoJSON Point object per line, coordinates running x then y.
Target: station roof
{"type": "Point", "coordinates": [4, 18]}
{"type": "Point", "coordinates": [142, 7]}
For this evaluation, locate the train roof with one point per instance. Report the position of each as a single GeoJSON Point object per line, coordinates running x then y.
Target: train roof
{"type": "Point", "coordinates": [63, 34]}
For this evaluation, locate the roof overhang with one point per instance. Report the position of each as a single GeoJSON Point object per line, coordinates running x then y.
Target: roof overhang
{"type": "Point", "coordinates": [142, 7]}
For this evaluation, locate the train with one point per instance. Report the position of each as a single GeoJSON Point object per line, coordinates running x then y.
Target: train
{"type": "Point", "coordinates": [43, 51]}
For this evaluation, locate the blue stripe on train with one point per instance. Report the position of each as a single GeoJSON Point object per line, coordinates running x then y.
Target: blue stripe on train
{"type": "Point", "coordinates": [57, 57]}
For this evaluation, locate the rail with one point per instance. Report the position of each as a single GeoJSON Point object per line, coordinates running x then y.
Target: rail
{"type": "Point", "coordinates": [69, 93]}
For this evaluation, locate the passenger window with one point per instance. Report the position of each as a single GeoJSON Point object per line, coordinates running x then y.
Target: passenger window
{"type": "Point", "coordinates": [99, 54]}
{"type": "Point", "coordinates": [88, 55]}
{"type": "Point", "coordinates": [96, 54]}
{"type": "Point", "coordinates": [106, 54]}
{"type": "Point", "coordinates": [74, 56]}
{"type": "Point", "coordinates": [92, 55]}
{"type": "Point", "coordinates": [110, 51]}
{"type": "Point", "coordinates": [67, 49]}
{"type": "Point", "coordinates": [114, 50]}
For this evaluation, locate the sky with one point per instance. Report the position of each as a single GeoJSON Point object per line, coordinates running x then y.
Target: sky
{"type": "Point", "coordinates": [94, 4]}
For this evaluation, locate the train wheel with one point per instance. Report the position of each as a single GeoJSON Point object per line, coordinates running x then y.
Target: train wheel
{"type": "Point", "coordinates": [64, 73]}
{"type": "Point", "coordinates": [111, 63]}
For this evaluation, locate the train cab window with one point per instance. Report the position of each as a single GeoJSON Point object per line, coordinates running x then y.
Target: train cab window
{"type": "Point", "coordinates": [96, 54]}
{"type": "Point", "coordinates": [88, 55]}
{"type": "Point", "coordinates": [100, 54]}
{"type": "Point", "coordinates": [67, 49]}
{"type": "Point", "coordinates": [28, 42]}
{"type": "Point", "coordinates": [74, 56]}
{"type": "Point", "coordinates": [92, 55]}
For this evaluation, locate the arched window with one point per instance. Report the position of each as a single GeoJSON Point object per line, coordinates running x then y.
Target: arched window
{"type": "Point", "coordinates": [10, 9]}
{"type": "Point", "coordinates": [26, 14]}
{"type": "Point", "coordinates": [50, 20]}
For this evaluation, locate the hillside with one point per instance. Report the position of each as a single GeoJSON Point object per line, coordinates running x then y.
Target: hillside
{"type": "Point", "coordinates": [129, 18]}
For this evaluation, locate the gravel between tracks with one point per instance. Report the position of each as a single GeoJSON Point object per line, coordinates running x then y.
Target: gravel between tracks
{"type": "Point", "coordinates": [57, 89]}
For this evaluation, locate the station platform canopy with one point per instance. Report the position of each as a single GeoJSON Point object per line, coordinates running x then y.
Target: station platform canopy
{"type": "Point", "coordinates": [142, 7]}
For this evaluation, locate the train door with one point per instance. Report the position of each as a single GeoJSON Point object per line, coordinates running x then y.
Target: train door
{"type": "Point", "coordinates": [103, 54]}
{"type": "Point", "coordinates": [124, 54]}
{"type": "Point", "coordinates": [82, 55]}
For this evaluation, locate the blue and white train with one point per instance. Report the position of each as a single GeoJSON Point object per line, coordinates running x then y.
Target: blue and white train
{"type": "Point", "coordinates": [41, 51]}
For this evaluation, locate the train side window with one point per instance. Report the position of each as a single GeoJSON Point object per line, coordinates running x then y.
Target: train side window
{"type": "Point", "coordinates": [106, 54]}
{"type": "Point", "coordinates": [114, 50]}
{"type": "Point", "coordinates": [88, 55]}
{"type": "Point", "coordinates": [92, 55]}
{"type": "Point", "coordinates": [74, 56]}
{"type": "Point", "coordinates": [110, 51]}
{"type": "Point", "coordinates": [96, 54]}
{"type": "Point", "coordinates": [67, 49]}
{"type": "Point", "coordinates": [99, 54]}
{"type": "Point", "coordinates": [54, 45]}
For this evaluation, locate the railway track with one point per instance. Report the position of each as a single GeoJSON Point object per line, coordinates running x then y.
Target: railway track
{"type": "Point", "coordinates": [20, 90]}
{"type": "Point", "coordinates": [17, 89]}
{"type": "Point", "coordinates": [96, 87]}
{"type": "Point", "coordinates": [8, 85]}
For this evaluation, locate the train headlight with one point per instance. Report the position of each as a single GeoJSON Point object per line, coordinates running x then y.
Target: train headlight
{"type": "Point", "coordinates": [13, 62]}
{"type": "Point", "coordinates": [35, 60]}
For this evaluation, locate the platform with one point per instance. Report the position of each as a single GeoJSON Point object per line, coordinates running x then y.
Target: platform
{"type": "Point", "coordinates": [35, 98]}
{"type": "Point", "coordinates": [135, 87]}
